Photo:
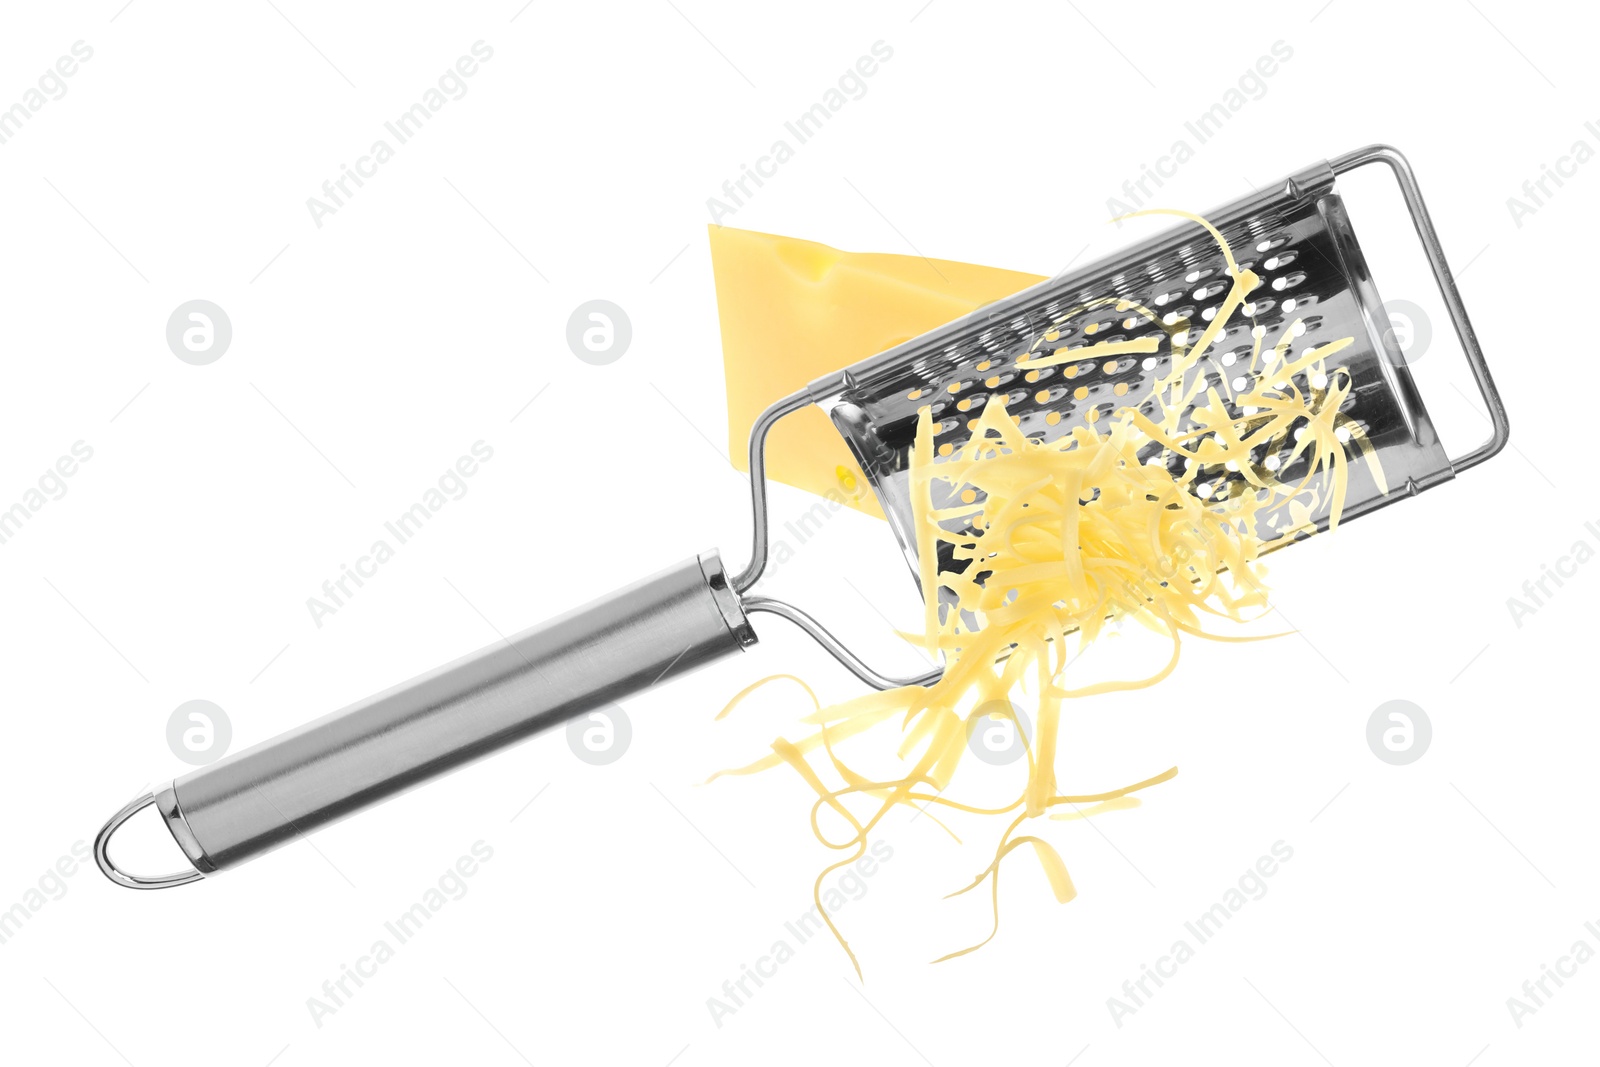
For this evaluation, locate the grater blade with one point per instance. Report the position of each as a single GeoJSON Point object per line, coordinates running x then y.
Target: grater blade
{"type": "Point", "coordinates": [1297, 236]}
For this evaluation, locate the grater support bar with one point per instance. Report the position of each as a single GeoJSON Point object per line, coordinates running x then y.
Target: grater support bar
{"type": "Point", "coordinates": [758, 552]}
{"type": "Point", "coordinates": [1429, 237]}
{"type": "Point", "coordinates": [833, 645]}
{"type": "Point", "coordinates": [758, 485]}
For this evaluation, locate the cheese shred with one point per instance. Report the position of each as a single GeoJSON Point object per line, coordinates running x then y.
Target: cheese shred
{"type": "Point", "coordinates": [1048, 543]}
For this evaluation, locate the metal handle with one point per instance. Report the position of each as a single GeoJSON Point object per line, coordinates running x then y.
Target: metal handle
{"type": "Point", "coordinates": [264, 796]}
{"type": "Point", "coordinates": [1382, 153]}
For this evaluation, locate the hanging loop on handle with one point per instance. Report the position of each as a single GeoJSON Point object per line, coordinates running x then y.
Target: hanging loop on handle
{"type": "Point", "coordinates": [102, 853]}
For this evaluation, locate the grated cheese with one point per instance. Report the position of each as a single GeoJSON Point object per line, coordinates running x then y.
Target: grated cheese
{"type": "Point", "coordinates": [1056, 540]}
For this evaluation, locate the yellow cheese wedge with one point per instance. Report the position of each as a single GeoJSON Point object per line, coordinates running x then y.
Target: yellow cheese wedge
{"type": "Point", "coordinates": [795, 310]}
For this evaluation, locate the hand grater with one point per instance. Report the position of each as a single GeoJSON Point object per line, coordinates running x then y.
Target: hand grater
{"type": "Point", "coordinates": [1296, 235]}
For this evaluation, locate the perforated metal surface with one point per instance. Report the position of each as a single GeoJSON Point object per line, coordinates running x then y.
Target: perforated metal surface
{"type": "Point", "coordinates": [1296, 236]}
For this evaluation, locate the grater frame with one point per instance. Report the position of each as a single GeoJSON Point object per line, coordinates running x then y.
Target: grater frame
{"type": "Point", "coordinates": [871, 408]}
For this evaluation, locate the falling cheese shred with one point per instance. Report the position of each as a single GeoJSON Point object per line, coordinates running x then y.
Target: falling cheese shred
{"type": "Point", "coordinates": [1051, 541]}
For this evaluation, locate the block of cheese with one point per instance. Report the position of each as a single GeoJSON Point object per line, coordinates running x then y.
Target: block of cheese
{"type": "Point", "coordinates": [795, 310]}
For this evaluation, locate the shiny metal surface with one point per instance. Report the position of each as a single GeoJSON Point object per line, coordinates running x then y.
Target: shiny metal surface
{"type": "Point", "coordinates": [1296, 235]}
{"type": "Point", "coordinates": [264, 796]}
{"type": "Point", "coordinates": [1429, 237]}
{"type": "Point", "coordinates": [834, 646]}
{"type": "Point", "coordinates": [758, 485]}
{"type": "Point", "coordinates": [108, 867]}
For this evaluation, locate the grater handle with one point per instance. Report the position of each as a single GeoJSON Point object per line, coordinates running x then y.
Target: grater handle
{"type": "Point", "coordinates": [1429, 237]}
{"type": "Point", "coordinates": [264, 796]}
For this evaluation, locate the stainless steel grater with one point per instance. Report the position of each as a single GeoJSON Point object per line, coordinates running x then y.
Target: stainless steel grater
{"type": "Point", "coordinates": [1296, 235]}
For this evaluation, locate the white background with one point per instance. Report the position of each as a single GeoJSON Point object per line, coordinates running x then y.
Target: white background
{"type": "Point", "coordinates": [370, 353]}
